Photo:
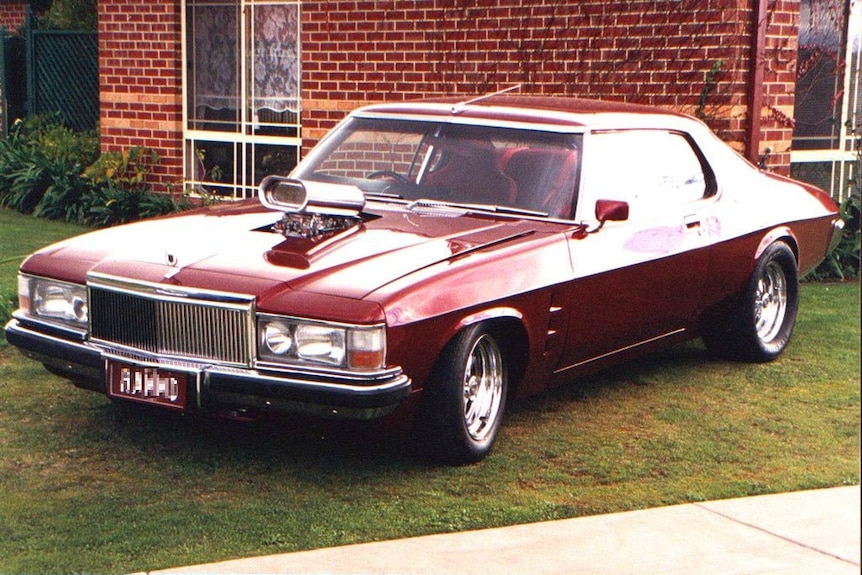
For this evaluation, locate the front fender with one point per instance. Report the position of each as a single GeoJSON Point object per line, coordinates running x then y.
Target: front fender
{"type": "Point", "coordinates": [515, 283]}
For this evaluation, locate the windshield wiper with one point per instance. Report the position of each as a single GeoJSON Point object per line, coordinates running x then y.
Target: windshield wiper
{"type": "Point", "coordinates": [515, 211]}
{"type": "Point", "coordinates": [383, 195]}
{"type": "Point", "coordinates": [508, 210]}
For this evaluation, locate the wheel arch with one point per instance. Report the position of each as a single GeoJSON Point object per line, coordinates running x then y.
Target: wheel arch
{"type": "Point", "coordinates": [780, 234]}
{"type": "Point", "coordinates": [508, 324]}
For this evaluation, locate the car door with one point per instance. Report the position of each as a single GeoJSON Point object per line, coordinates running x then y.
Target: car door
{"type": "Point", "coordinates": [638, 281]}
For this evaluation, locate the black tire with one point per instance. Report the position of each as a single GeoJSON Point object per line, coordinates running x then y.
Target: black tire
{"type": "Point", "coordinates": [464, 400]}
{"type": "Point", "coordinates": [760, 326]}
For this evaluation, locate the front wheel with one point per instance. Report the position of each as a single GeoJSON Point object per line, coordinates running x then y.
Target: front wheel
{"type": "Point", "coordinates": [464, 400]}
{"type": "Point", "coordinates": [760, 327]}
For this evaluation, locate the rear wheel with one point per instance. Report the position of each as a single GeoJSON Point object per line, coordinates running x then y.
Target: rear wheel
{"type": "Point", "coordinates": [465, 398]}
{"type": "Point", "coordinates": [761, 325]}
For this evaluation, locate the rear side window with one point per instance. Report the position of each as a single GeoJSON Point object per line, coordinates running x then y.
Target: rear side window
{"type": "Point", "coordinates": [652, 170]}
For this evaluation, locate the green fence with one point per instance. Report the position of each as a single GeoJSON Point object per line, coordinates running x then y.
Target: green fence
{"type": "Point", "coordinates": [49, 72]}
{"type": "Point", "coordinates": [63, 76]}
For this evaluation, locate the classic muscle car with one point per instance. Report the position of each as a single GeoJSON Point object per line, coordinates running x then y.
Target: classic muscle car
{"type": "Point", "coordinates": [436, 258]}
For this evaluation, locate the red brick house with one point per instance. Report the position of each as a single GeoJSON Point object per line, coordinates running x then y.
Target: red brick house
{"type": "Point", "coordinates": [228, 90]}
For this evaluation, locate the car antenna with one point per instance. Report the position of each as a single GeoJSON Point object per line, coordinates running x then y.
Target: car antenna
{"type": "Point", "coordinates": [457, 108]}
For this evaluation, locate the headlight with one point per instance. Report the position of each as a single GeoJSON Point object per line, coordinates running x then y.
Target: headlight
{"type": "Point", "coordinates": [320, 343]}
{"type": "Point", "coordinates": [299, 342]}
{"type": "Point", "coordinates": [53, 300]}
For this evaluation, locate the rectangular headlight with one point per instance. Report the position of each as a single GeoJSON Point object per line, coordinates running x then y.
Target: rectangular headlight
{"type": "Point", "coordinates": [54, 300]}
{"type": "Point", "coordinates": [293, 341]}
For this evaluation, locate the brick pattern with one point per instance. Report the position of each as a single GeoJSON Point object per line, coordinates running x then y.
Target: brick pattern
{"type": "Point", "coordinates": [140, 88]}
{"type": "Point", "coordinates": [374, 157]}
{"type": "Point", "coordinates": [13, 14]}
{"type": "Point", "coordinates": [688, 55]}
{"type": "Point", "coordinates": [780, 58]}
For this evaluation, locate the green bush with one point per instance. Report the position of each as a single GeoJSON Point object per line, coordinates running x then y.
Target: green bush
{"type": "Point", "coordinates": [40, 163]}
{"type": "Point", "coordinates": [50, 171]}
{"type": "Point", "coordinates": [120, 191]}
{"type": "Point", "coordinates": [843, 263]}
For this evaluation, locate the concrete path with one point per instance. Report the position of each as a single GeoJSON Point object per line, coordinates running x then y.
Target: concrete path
{"type": "Point", "coordinates": [801, 533]}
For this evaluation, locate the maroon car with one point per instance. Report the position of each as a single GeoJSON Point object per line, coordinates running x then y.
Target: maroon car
{"type": "Point", "coordinates": [437, 258]}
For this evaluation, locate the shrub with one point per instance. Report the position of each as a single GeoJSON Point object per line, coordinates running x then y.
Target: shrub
{"type": "Point", "coordinates": [843, 263]}
{"type": "Point", "coordinates": [50, 171]}
{"type": "Point", "coordinates": [40, 166]}
{"type": "Point", "coordinates": [121, 193]}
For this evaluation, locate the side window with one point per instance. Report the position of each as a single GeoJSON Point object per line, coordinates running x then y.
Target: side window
{"type": "Point", "coordinates": [652, 170]}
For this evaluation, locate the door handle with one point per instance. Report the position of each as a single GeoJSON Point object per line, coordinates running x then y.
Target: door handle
{"type": "Point", "coordinates": [692, 222]}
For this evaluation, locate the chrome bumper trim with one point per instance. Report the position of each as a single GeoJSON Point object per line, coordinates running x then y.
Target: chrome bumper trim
{"type": "Point", "coordinates": [355, 397]}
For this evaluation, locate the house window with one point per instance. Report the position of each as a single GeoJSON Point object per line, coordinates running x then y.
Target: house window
{"type": "Point", "coordinates": [241, 93]}
{"type": "Point", "coordinates": [828, 110]}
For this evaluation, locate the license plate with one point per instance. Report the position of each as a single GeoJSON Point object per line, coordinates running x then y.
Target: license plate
{"type": "Point", "coordinates": [153, 385]}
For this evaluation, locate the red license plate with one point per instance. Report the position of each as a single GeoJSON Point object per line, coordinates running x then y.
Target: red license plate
{"type": "Point", "coordinates": [153, 385]}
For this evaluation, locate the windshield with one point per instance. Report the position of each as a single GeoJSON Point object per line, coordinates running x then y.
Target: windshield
{"type": "Point", "coordinates": [463, 164]}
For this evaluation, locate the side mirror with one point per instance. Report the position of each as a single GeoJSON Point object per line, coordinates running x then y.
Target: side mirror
{"type": "Point", "coordinates": [606, 211]}
{"type": "Point", "coordinates": [611, 211]}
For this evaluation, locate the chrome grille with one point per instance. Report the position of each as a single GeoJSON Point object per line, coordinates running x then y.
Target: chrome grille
{"type": "Point", "coordinates": [171, 322]}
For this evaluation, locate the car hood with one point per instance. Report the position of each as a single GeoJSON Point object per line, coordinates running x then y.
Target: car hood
{"type": "Point", "coordinates": [237, 250]}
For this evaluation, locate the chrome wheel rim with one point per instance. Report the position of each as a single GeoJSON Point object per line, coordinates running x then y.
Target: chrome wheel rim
{"type": "Point", "coordinates": [770, 302]}
{"type": "Point", "coordinates": [483, 388]}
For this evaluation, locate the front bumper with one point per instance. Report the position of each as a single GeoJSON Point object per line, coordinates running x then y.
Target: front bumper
{"type": "Point", "coordinates": [219, 388]}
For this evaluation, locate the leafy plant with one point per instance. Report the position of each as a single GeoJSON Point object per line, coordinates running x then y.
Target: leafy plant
{"type": "Point", "coordinates": [69, 15]}
{"type": "Point", "coordinates": [843, 262]}
{"type": "Point", "coordinates": [40, 164]}
{"type": "Point", "coordinates": [114, 205]}
{"type": "Point", "coordinates": [53, 172]}
{"type": "Point", "coordinates": [121, 193]}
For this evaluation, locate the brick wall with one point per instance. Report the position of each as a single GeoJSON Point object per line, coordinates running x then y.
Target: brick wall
{"type": "Point", "coordinates": [140, 88]}
{"type": "Point", "coordinates": [689, 55]}
{"type": "Point", "coordinates": [12, 14]}
{"type": "Point", "coordinates": [780, 58]}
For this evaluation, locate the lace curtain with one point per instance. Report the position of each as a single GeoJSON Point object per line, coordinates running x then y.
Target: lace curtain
{"type": "Point", "coordinates": [276, 61]}
{"type": "Point", "coordinates": [273, 57]}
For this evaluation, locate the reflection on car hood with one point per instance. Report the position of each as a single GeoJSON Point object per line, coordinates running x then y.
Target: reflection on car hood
{"type": "Point", "coordinates": [240, 252]}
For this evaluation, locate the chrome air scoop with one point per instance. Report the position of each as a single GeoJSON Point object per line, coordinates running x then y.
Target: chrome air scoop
{"type": "Point", "coordinates": [311, 209]}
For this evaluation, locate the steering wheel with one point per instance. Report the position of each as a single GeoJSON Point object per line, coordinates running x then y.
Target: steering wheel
{"type": "Point", "coordinates": [387, 174]}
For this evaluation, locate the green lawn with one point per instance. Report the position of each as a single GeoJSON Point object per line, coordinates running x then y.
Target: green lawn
{"type": "Point", "coordinates": [87, 488]}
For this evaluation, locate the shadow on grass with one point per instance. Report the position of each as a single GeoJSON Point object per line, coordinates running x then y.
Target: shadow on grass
{"type": "Point", "coordinates": [639, 373]}
{"type": "Point", "coordinates": [275, 441]}
{"type": "Point", "coordinates": [205, 441]}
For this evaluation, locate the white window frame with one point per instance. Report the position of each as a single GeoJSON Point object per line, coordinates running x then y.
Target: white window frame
{"type": "Point", "coordinates": [843, 161]}
{"type": "Point", "coordinates": [243, 140]}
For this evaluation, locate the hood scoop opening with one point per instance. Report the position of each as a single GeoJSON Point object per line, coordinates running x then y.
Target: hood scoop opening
{"type": "Point", "coordinates": [312, 210]}
{"type": "Point", "coordinates": [312, 226]}
{"type": "Point", "coordinates": [316, 216]}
